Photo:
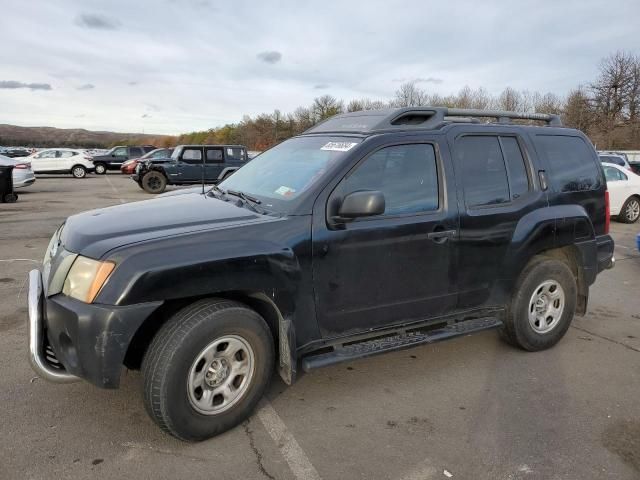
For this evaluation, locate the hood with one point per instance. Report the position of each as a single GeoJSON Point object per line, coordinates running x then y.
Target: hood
{"type": "Point", "coordinates": [95, 232]}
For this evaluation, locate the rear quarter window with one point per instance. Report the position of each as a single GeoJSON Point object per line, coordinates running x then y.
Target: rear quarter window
{"type": "Point", "coordinates": [571, 163]}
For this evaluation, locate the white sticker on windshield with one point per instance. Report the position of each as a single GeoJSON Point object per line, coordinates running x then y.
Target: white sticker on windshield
{"type": "Point", "coordinates": [285, 191]}
{"type": "Point", "coordinates": [339, 146]}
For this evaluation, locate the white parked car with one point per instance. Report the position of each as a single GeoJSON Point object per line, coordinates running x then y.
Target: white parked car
{"type": "Point", "coordinates": [22, 174]}
{"type": "Point", "coordinates": [624, 192]}
{"type": "Point", "coordinates": [62, 160]}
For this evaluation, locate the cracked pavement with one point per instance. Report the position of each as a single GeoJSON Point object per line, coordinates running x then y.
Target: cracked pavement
{"type": "Point", "coordinates": [474, 407]}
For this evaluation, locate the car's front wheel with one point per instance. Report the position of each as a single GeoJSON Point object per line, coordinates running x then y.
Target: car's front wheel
{"type": "Point", "coordinates": [100, 169]}
{"type": "Point", "coordinates": [207, 368]}
{"type": "Point", "coordinates": [154, 182]}
{"type": "Point", "coordinates": [543, 305]}
{"type": "Point", "coordinates": [78, 171]}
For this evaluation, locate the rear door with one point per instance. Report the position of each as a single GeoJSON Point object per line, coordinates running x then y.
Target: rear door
{"type": "Point", "coordinates": [214, 162]}
{"type": "Point", "coordinates": [496, 188]}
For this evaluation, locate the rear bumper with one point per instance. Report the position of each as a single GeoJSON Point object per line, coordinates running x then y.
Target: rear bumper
{"type": "Point", "coordinates": [605, 245]}
{"type": "Point", "coordinates": [24, 182]}
{"type": "Point", "coordinates": [88, 340]}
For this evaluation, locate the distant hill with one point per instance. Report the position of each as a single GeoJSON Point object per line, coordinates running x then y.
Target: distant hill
{"type": "Point", "coordinates": [13, 135]}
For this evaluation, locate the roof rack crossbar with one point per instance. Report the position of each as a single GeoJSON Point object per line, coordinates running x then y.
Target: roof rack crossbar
{"type": "Point", "coordinates": [503, 116]}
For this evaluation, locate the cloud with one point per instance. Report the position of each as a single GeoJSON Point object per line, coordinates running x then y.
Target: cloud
{"type": "Point", "coordinates": [96, 21]}
{"type": "Point", "coordinates": [12, 84]}
{"type": "Point", "coordinates": [270, 56]}
{"type": "Point", "coordinates": [428, 80]}
{"type": "Point", "coordinates": [434, 80]}
{"type": "Point", "coordinates": [86, 86]}
{"type": "Point", "coordinates": [321, 86]}
{"type": "Point", "coordinates": [133, 83]}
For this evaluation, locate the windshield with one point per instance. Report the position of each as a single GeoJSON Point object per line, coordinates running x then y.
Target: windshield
{"type": "Point", "coordinates": [612, 159]}
{"type": "Point", "coordinates": [281, 174]}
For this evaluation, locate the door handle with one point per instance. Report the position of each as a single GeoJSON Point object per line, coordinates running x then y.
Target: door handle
{"type": "Point", "coordinates": [441, 236]}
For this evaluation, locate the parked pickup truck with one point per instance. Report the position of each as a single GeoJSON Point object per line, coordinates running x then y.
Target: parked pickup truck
{"type": "Point", "coordinates": [114, 158]}
{"type": "Point", "coordinates": [370, 233]}
{"type": "Point", "coordinates": [190, 164]}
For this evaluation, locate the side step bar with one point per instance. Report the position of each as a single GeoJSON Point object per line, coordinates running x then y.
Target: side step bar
{"type": "Point", "coordinates": [399, 341]}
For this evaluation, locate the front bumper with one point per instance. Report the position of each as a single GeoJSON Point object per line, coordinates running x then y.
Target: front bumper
{"type": "Point", "coordinates": [89, 341]}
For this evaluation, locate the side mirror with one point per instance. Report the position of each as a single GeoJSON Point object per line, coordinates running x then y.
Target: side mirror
{"type": "Point", "coordinates": [364, 203]}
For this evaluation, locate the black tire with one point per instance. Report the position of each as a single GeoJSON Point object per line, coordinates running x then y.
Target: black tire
{"type": "Point", "coordinates": [78, 171]}
{"type": "Point", "coordinates": [154, 182]}
{"type": "Point", "coordinates": [100, 168]}
{"type": "Point", "coordinates": [518, 329]}
{"type": "Point", "coordinates": [630, 211]}
{"type": "Point", "coordinates": [169, 360]}
{"type": "Point", "coordinates": [10, 198]}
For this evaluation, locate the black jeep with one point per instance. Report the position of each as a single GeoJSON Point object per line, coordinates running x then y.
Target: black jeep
{"type": "Point", "coordinates": [190, 164]}
{"type": "Point", "coordinates": [114, 158]}
{"type": "Point", "coordinates": [371, 232]}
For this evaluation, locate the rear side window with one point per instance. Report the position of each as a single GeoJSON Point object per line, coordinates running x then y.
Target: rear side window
{"type": "Point", "coordinates": [516, 170]}
{"type": "Point", "coordinates": [613, 174]}
{"type": "Point", "coordinates": [571, 163]}
{"type": "Point", "coordinates": [234, 153]}
{"type": "Point", "coordinates": [214, 155]}
{"type": "Point", "coordinates": [492, 169]}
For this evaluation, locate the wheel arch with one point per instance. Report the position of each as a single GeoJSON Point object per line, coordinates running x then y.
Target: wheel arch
{"type": "Point", "coordinates": [281, 329]}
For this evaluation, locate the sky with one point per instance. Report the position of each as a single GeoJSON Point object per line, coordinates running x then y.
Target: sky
{"type": "Point", "coordinates": [174, 66]}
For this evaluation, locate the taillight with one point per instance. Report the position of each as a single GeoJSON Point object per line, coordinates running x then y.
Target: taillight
{"type": "Point", "coordinates": [22, 166]}
{"type": "Point", "coordinates": [607, 212]}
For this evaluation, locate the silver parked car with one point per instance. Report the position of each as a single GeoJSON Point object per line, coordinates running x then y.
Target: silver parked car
{"type": "Point", "coordinates": [23, 176]}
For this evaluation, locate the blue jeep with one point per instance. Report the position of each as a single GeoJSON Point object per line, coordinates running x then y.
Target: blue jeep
{"type": "Point", "coordinates": [189, 165]}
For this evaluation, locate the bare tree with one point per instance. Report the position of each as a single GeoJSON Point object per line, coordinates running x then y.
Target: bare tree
{"type": "Point", "coordinates": [409, 95]}
{"type": "Point", "coordinates": [326, 106]}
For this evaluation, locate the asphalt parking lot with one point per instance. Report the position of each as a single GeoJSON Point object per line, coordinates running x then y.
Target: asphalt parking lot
{"type": "Point", "coordinates": [472, 408]}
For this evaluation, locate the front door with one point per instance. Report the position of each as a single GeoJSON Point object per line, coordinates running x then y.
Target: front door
{"type": "Point", "coordinates": [190, 165]}
{"type": "Point", "coordinates": [395, 267]}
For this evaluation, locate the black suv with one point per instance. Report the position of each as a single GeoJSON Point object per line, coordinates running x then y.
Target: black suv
{"type": "Point", "coordinates": [114, 158]}
{"type": "Point", "coordinates": [371, 232]}
{"type": "Point", "coordinates": [190, 164]}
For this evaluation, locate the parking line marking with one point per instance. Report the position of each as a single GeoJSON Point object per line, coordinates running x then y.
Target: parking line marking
{"type": "Point", "coordinates": [291, 451]}
{"type": "Point", "coordinates": [113, 187]}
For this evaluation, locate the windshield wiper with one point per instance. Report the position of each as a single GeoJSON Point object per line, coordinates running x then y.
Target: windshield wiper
{"type": "Point", "coordinates": [218, 190]}
{"type": "Point", "coordinates": [248, 199]}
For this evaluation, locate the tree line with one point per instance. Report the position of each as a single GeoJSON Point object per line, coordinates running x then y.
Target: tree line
{"type": "Point", "coordinates": [607, 109]}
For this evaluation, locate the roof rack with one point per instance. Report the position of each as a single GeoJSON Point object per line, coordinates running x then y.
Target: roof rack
{"type": "Point", "coordinates": [420, 118]}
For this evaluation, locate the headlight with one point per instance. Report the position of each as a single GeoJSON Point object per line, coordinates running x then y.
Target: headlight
{"type": "Point", "coordinates": [86, 278]}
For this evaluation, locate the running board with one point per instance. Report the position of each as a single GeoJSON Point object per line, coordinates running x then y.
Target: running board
{"type": "Point", "coordinates": [399, 341]}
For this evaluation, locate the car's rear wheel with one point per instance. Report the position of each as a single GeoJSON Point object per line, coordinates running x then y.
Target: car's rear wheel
{"type": "Point", "coordinates": [543, 305]}
{"type": "Point", "coordinates": [207, 368]}
{"type": "Point", "coordinates": [154, 182]}
{"type": "Point", "coordinates": [101, 168]}
{"type": "Point", "coordinates": [78, 171]}
{"type": "Point", "coordinates": [630, 210]}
